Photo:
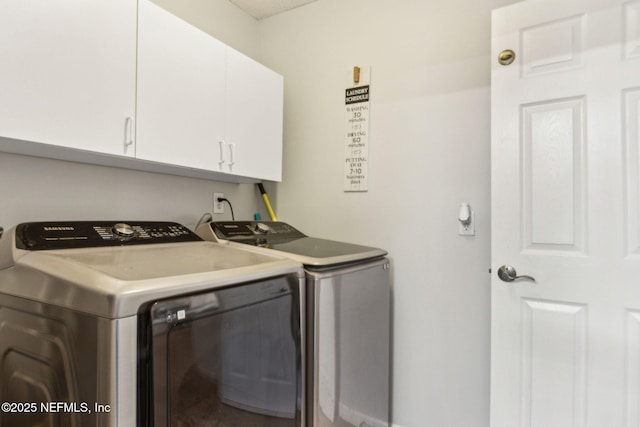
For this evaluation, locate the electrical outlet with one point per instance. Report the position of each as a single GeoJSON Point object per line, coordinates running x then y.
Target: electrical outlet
{"type": "Point", "coordinates": [218, 207]}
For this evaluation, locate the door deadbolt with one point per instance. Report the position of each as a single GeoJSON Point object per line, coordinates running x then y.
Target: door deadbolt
{"type": "Point", "coordinates": [506, 57]}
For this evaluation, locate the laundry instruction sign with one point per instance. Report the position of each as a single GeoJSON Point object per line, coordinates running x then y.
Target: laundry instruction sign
{"type": "Point", "coordinates": [356, 168]}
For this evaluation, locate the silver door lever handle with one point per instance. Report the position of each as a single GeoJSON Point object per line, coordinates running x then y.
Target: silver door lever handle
{"type": "Point", "coordinates": [506, 273]}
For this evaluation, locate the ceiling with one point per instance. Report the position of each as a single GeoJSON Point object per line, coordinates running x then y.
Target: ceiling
{"type": "Point", "coordinates": [261, 9]}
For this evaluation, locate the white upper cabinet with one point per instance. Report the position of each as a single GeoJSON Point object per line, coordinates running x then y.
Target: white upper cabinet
{"type": "Point", "coordinates": [181, 91]}
{"type": "Point", "coordinates": [127, 84]}
{"type": "Point", "coordinates": [203, 105]}
{"type": "Point", "coordinates": [67, 73]}
{"type": "Point", "coordinates": [254, 118]}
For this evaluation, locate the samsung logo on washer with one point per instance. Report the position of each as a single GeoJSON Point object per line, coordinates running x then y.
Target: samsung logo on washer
{"type": "Point", "coordinates": [59, 228]}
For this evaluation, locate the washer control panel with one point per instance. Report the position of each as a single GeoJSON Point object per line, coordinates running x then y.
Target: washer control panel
{"type": "Point", "coordinates": [36, 236]}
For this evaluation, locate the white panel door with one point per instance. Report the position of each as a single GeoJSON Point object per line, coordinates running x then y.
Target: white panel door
{"type": "Point", "coordinates": [181, 92]}
{"type": "Point", "coordinates": [566, 211]}
{"type": "Point", "coordinates": [67, 73]}
{"type": "Point", "coordinates": [254, 118]}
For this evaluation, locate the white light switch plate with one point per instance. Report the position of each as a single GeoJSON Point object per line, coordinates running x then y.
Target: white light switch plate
{"type": "Point", "coordinates": [469, 230]}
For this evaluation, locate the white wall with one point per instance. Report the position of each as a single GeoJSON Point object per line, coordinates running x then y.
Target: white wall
{"type": "Point", "coordinates": [429, 151]}
{"type": "Point", "coordinates": [220, 18]}
{"type": "Point", "coordinates": [34, 189]}
{"type": "Point", "coordinates": [42, 189]}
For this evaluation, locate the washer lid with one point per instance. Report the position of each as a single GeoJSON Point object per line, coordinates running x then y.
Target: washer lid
{"type": "Point", "coordinates": [283, 238]}
{"type": "Point", "coordinates": [177, 262]}
{"type": "Point", "coordinates": [312, 251]}
{"type": "Point", "coordinates": [116, 281]}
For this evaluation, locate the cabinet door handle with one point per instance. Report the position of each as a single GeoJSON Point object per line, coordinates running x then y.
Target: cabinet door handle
{"type": "Point", "coordinates": [221, 161]}
{"type": "Point", "coordinates": [231, 160]}
{"type": "Point", "coordinates": [128, 131]}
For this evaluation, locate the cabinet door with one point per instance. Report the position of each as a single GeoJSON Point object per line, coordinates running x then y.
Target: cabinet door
{"type": "Point", "coordinates": [254, 118]}
{"type": "Point", "coordinates": [181, 91]}
{"type": "Point", "coordinates": [67, 73]}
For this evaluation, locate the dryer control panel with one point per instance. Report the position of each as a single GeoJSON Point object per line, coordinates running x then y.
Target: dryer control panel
{"type": "Point", "coordinates": [243, 231]}
{"type": "Point", "coordinates": [34, 236]}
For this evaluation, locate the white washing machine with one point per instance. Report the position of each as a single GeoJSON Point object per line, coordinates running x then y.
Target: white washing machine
{"type": "Point", "coordinates": [347, 316]}
{"type": "Point", "coordinates": [144, 324]}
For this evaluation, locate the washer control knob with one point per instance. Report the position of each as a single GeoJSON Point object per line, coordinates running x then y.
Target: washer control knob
{"type": "Point", "coordinates": [123, 230]}
{"type": "Point", "coordinates": [261, 228]}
